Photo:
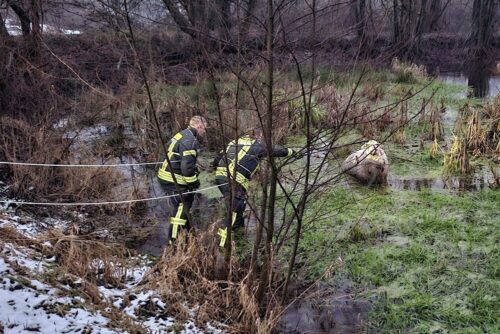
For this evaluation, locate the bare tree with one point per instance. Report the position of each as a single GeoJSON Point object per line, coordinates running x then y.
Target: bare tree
{"type": "Point", "coordinates": [22, 13]}
{"type": "Point", "coordinates": [200, 18]}
{"type": "Point", "coordinates": [480, 43]}
{"type": "Point", "coordinates": [483, 18]}
{"type": "Point", "coordinates": [3, 29]}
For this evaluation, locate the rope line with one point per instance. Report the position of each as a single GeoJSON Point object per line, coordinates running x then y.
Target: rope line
{"type": "Point", "coordinates": [74, 165]}
{"type": "Point", "coordinates": [109, 202]}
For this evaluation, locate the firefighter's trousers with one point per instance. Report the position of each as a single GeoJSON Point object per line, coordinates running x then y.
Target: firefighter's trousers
{"type": "Point", "coordinates": [235, 219]}
{"type": "Point", "coordinates": [179, 210]}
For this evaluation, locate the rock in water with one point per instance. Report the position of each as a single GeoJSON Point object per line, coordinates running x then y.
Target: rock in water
{"type": "Point", "coordinates": [369, 165]}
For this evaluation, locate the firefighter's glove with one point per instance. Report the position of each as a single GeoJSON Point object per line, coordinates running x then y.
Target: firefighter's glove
{"type": "Point", "coordinates": [215, 162]}
{"type": "Point", "coordinates": [194, 185]}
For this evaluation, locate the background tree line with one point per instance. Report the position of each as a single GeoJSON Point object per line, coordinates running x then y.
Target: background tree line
{"type": "Point", "coordinates": [402, 23]}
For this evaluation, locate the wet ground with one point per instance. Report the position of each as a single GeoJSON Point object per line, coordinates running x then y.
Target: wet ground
{"type": "Point", "coordinates": [205, 207]}
{"type": "Point", "coordinates": [327, 310]}
{"type": "Point", "coordinates": [475, 182]}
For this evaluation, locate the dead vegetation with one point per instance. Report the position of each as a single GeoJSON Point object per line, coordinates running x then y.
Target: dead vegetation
{"type": "Point", "coordinates": [476, 132]}
{"type": "Point", "coordinates": [88, 258]}
{"type": "Point", "coordinates": [408, 72]}
{"type": "Point", "coordinates": [193, 273]}
{"type": "Point", "coordinates": [20, 141]}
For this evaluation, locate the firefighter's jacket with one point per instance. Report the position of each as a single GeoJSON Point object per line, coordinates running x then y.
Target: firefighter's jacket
{"type": "Point", "coordinates": [244, 155]}
{"type": "Point", "coordinates": [182, 152]}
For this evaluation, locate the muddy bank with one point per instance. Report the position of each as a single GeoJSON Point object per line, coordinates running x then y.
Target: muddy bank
{"type": "Point", "coordinates": [327, 310]}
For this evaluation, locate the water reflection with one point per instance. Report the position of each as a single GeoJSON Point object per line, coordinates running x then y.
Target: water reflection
{"type": "Point", "coordinates": [476, 182]}
{"type": "Point", "coordinates": [483, 85]}
{"type": "Point", "coordinates": [478, 78]}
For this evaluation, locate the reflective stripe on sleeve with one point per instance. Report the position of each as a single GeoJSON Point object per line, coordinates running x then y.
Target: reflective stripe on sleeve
{"type": "Point", "coordinates": [189, 152]}
{"type": "Point", "coordinates": [190, 179]}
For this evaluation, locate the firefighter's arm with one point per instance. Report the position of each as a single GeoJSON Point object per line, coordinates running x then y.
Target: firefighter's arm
{"type": "Point", "coordinates": [188, 166]}
{"type": "Point", "coordinates": [278, 151]}
{"type": "Point", "coordinates": [281, 152]}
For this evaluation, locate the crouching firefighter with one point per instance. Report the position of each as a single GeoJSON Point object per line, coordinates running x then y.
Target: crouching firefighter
{"type": "Point", "coordinates": [182, 152]}
{"type": "Point", "coordinates": [243, 158]}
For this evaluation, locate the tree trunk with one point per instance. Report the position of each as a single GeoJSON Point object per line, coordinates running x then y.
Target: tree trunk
{"type": "Point", "coordinates": [483, 14]}
{"type": "Point", "coordinates": [435, 11]}
{"type": "Point", "coordinates": [23, 16]}
{"type": "Point", "coordinates": [395, 21]}
{"type": "Point", "coordinates": [266, 272]}
{"type": "Point", "coordinates": [360, 15]}
{"type": "Point", "coordinates": [3, 30]}
{"type": "Point", "coordinates": [245, 25]}
{"type": "Point", "coordinates": [182, 22]}
{"type": "Point", "coordinates": [480, 42]}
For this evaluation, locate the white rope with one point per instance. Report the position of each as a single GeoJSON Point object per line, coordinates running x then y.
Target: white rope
{"type": "Point", "coordinates": [73, 165]}
{"type": "Point", "coordinates": [107, 203]}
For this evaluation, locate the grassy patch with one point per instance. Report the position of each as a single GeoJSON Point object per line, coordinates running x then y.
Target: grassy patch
{"type": "Point", "coordinates": [429, 260]}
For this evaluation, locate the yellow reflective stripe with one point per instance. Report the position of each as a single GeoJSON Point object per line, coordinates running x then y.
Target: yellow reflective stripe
{"type": "Point", "coordinates": [245, 141]}
{"type": "Point", "coordinates": [240, 178]}
{"type": "Point", "coordinates": [223, 236]}
{"type": "Point", "coordinates": [290, 152]}
{"type": "Point", "coordinates": [232, 165]}
{"type": "Point", "coordinates": [221, 171]}
{"type": "Point", "coordinates": [171, 150]}
{"type": "Point", "coordinates": [189, 152]}
{"type": "Point", "coordinates": [176, 138]}
{"type": "Point", "coordinates": [241, 141]}
{"type": "Point", "coordinates": [244, 150]}
{"type": "Point", "coordinates": [190, 179]}
{"type": "Point", "coordinates": [179, 210]}
{"type": "Point", "coordinates": [167, 176]}
{"type": "Point", "coordinates": [233, 219]}
{"type": "Point", "coordinates": [177, 221]}
{"type": "Point", "coordinates": [229, 145]}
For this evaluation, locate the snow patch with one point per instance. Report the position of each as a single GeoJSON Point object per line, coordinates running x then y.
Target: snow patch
{"type": "Point", "coordinates": [27, 303]}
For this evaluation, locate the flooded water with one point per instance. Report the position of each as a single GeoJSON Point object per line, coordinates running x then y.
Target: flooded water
{"type": "Point", "coordinates": [474, 183]}
{"type": "Point", "coordinates": [487, 86]}
{"type": "Point", "coordinates": [328, 310]}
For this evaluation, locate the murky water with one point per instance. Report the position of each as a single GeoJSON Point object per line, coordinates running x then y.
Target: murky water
{"type": "Point", "coordinates": [328, 310]}
{"type": "Point", "coordinates": [489, 86]}
{"type": "Point", "coordinates": [474, 183]}
{"type": "Point", "coordinates": [484, 176]}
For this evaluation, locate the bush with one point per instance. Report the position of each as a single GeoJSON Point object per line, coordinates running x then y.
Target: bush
{"type": "Point", "coordinates": [21, 141]}
{"type": "Point", "coordinates": [407, 72]}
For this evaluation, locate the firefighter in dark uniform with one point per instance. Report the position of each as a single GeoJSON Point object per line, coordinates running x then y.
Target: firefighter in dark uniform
{"type": "Point", "coordinates": [244, 156]}
{"type": "Point", "coordinates": [182, 152]}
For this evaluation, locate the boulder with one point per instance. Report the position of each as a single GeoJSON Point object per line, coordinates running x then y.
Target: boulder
{"type": "Point", "coordinates": [369, 165]}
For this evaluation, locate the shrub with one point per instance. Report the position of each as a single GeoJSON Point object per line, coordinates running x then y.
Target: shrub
{"type": "Point", "coordinates": [407, 72]}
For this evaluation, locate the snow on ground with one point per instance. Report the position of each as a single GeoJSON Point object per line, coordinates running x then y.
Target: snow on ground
{"type": "Point", "coordinates": [14, 29]}
{"type": "Point", "coordinates": [29, 303]}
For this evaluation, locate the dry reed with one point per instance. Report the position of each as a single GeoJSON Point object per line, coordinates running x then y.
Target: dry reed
{"type": "Point", "coordinates": [193, 273]}
{"type": "Point", "coordinates": [456, 161]}
{"type": "Point", "coordinates": [93, 260]}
